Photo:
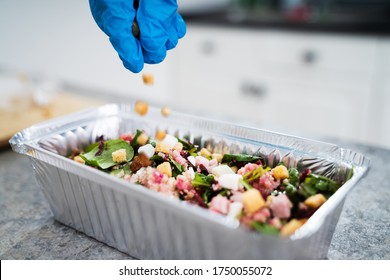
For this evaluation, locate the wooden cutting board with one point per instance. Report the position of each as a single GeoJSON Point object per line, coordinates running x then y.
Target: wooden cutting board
{"type": "Point", "coordinates": [23, 113]}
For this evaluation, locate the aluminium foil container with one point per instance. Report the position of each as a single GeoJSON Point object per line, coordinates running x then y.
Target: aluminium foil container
{"type": "Point", "coordinates": [149, 225]}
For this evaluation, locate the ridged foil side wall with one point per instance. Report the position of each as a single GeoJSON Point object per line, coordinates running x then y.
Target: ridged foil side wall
{"type": "Point", "coordinates": [147, 225]}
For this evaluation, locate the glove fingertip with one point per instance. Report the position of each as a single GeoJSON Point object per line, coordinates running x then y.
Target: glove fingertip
{"type": "Point", "coordinates": [181, 26]}
{"type": "Point", "coordinates": [133, 67]}
{"type": "Point", "coordinates": [129, 52]}
{"type": "Point", "coordinates": [155, 57]}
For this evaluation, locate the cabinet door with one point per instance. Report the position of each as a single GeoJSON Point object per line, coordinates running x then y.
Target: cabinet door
{"type": "Point", "coordinates": [326, 60]}
{"type": "Point", "coordinates": [259, 78]}
{"type": "Point", "coordinates": [312, 110]}
{"type": "Point", "coordinates": [213, 60]}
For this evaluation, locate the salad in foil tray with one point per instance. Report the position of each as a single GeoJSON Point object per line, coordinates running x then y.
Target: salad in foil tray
{"type": "Point", "coordinates": [275, 201]}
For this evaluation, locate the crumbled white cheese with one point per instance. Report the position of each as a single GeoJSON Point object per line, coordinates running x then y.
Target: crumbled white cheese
{"type": "Point", "coordinates": [221, 170]}
{"type": "Point", "coordinates": [170, 140]}
{"type": "Point", "coordinates": [234, 209]}
{"type": "Point", "coordinates": [148, 150]}
{"type": "Point", "coordinates": [230, 181]}
{"type": "Point", "coordinates": [191, 159]}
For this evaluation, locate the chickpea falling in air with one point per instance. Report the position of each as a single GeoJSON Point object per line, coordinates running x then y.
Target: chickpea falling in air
{"type": "Point", "coordinates": [141, 107]}
{"type": "Point", "coordinates": [160, 134]}
{"type": "Point", "coordinates": [148, 79]}
{"type": "Point", "coordinates": [165, 111]}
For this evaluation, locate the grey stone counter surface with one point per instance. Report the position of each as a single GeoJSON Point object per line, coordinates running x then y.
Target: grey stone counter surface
{"type": "Point", "coordinates": [29, 231]}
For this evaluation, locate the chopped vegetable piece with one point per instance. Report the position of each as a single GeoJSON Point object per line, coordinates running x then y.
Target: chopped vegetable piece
{"type": "Point", "coordinates": [265, 228]}
{"type": "Point", "coordinates": [232, 159]}
{"type": "Point", "coordinates": [202, 180]}
{"type": "Point", "coordinates": [293, 176]}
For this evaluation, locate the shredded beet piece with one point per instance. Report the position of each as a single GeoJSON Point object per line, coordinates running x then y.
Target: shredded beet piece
{"type": "Point", "coordinates": [304, 175]}
{"type": "Point", "coordinates": [184, 154]}
{"type": "Point", "coordinates": [101, 146]}
{"type": "Point", "coordinates": [203, 169]}
{"type": "Point", "coordinates": [199, 200]}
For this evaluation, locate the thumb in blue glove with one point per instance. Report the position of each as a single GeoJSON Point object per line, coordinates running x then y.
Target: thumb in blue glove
{"type": "Point", "coordinates": [159, 23]}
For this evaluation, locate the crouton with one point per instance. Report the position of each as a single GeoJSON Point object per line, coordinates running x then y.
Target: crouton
{"type": "Point", "coordinates": [119, 156]}
{"type": "Point", "coordinates": [252, 200]}
{"type": "Point", "coordinates": [165, 168]}
{"type": "Point", "coordinates": [280, 172]}
{"type": "Point", "coordinates": [315, 201]}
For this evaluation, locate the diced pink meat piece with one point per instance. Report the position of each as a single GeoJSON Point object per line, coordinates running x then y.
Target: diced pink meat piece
{"type": "Point", "coordinates": [281, 206]}
{"type": "Point", "coordinates": [247, 168]}
{"type": "Point", "coordinates": [261, 215]}
{"type": "Point", "coordinates": [220, 204]}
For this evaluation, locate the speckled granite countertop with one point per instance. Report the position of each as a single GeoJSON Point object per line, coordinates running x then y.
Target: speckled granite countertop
{"type": "Point", "coordinates": [28, 230]}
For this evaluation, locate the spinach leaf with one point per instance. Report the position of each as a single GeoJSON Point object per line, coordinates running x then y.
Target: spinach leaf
{"type": "Point", "coordinates": [291, 190]}
{"type": "Point", "coordinates": [118, 173]}
{"type": "Point", "coordinates": [265, 228]}
{"type": "Point", "coordinates": [225, 192]}
{"type": "Point", "coordinates": [231, 159]}
{"type": "Point", "coordinates": [91, 147]}
{"type": "Point", "coordinates": [134, 141]}
{"type": "Point", "coordinates": [104, 160]}
{"type": "Point", "coordinates": [157, 159]}
{"type": "Point", "coordinates": [122, 171]}
{"type": "Point", "coordinates": [314, 184]}
{"type": "Point", "coordinates": [293, 176]}
{"type": "Point", "coordinates": [201, 180]}
{"type": "Point", "coordinates": [189, 147]}
{"type": "Point", "coordinates": [202, 184]}
{"type": "Point", "coordinates": [207, 194]}
{"type": "Point", "coordinates": [177, 167]}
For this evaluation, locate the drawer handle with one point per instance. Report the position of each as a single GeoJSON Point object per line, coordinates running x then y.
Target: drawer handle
{"type": "Point", "coordinates": [309, 57]}
{"type": "Point", "coordinates": [254, 90]}
{"type": "Point", "coordinates": [208, 47]}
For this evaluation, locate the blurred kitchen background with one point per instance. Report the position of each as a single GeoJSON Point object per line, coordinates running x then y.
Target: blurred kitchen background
{"type": "Point", "coordinates": [314, 68]}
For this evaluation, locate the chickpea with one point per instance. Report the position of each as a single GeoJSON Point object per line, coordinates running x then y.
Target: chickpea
{"type": "Point", "coordinates": [165, 111]}
{"type": "Point", "coordinates": [141, 107]}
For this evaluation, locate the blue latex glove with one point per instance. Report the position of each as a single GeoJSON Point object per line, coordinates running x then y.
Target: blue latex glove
{"type": "Point", "coordinates": [159, 23]}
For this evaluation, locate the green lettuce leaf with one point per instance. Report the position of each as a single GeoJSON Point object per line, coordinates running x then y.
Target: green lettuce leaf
{"type": "Point", "coordinates": [265, 228]}
{"type": "Point", "coordinates": [231, 159]}
{"type": "Point", "coordinates": [104, 160]}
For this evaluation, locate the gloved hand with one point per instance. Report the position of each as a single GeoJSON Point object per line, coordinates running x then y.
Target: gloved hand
{"type": "Point", "coordinates": [159, 23]}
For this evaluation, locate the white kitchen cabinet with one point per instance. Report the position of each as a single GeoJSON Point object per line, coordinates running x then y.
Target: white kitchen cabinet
{"type": "Point", "coordinates": [305, 83]}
